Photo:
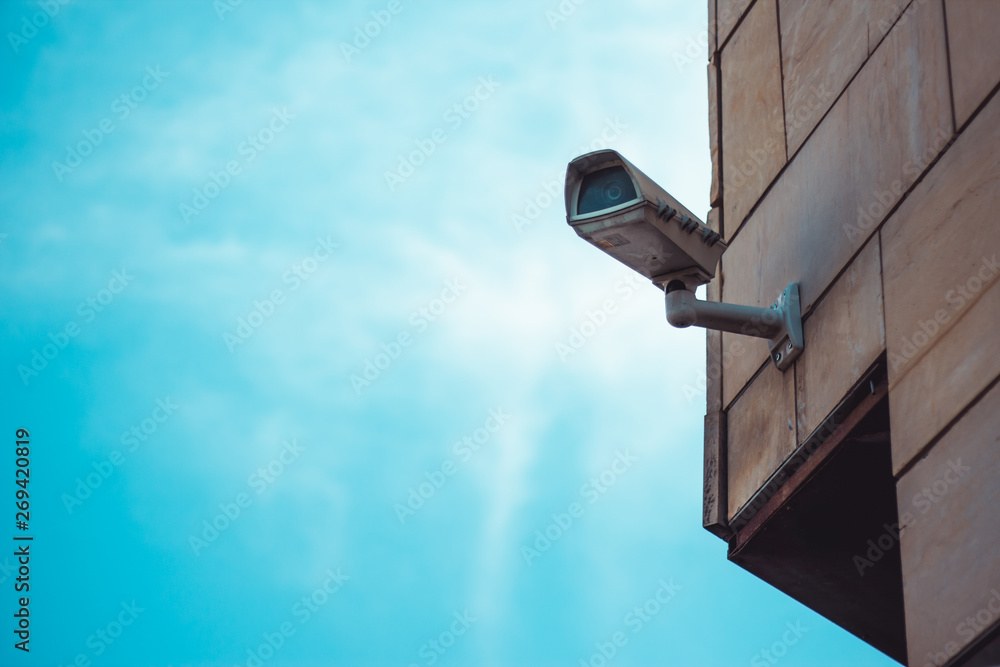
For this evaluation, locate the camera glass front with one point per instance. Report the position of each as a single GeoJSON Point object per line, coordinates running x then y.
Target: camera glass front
{"type": "Point", "coordinates": [605, 188]}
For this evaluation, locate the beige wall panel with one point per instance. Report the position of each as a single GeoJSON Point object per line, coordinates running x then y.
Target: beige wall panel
{"type": "Point", "coordinates": [973, 31]}
{"type": "Point", "coordinates": [900, 110]}
{"type": "Point", "coordinates": [715, 196]}
{"type": "Point", "coordinates": [942, 304]}
{"type": "Point", "coordinates": [713, 358]}
{"type": "Point", "coordinates": [753, 131]}
{"type": "Point", "coordinates": [822, 46]}
{"type": "Point", "coordinates": [882, 18]}
{"type": "Point", "coordinates": [942, 382]}
{"type": "Point", "coordinates": [844, 336]}
{"type": "Point", "coordinates": [951, 549]}
{"type": "Point", "coordinates": [728, 13]}
{"type": "Point", "coordinates": [761, 434]}
{"type": "Point", "coordinates": [712, 32]}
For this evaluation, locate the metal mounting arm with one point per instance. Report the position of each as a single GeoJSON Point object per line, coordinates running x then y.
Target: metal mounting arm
{"type": "Point", "coordinates": [781, 324]}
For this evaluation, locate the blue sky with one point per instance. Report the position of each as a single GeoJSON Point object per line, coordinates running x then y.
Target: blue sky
{"type": "Point", "coordinates": [324, 299]}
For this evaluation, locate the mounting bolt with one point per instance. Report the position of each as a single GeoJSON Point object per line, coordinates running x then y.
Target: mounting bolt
{"type": "Point", "coordinates": [777, 357]}
{"type": "Point", "coordinates": [789, 346]}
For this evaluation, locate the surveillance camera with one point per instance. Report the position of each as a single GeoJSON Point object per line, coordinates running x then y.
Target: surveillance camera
{"type": "Point", "coordinates": [619, 209]}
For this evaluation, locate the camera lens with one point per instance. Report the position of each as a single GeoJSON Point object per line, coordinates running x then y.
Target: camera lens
{"type": "Point", "coordinates": [603, 189]}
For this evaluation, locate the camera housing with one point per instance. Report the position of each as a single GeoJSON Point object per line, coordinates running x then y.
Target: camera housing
{"type": "Point", "coordinates": [613, 205]}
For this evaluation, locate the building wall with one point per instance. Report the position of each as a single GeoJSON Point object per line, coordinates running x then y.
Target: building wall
{"type": "Point", "coordinates": [856, 151]}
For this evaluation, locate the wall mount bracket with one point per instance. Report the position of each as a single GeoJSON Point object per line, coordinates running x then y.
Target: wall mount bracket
{"type": "Point", "coordinates": [780, 325]}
